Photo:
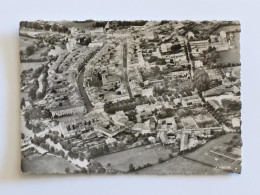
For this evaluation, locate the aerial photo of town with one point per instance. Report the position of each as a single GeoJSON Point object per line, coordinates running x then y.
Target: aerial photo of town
{"type": "Point", "coordinates": [130, 97]}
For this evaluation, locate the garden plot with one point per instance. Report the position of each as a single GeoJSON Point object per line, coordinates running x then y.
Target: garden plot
{"type": "Point", "coordinates": [188, 123]}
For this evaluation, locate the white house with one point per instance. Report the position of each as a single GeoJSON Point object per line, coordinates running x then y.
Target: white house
{"type": "Point", "coordinates": [198, 64]}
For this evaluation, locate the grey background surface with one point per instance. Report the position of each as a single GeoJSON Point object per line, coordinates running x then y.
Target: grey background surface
{"type": "Point", "coordinates": [11, 12]}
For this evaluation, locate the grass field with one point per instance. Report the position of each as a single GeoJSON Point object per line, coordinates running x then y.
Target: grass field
{"type": "Point", "coordinates": [228, 28]}
{"type": "Point", "coordinates": [234, 71]}
{"type": "Point", "coordinates": [46, 164]}
{"type": "Point", "coordinates": [137, 156]}
{"type": "Point", "coordinates": [25, 41]}
{"type": "Point", "coordinates": [179, 165]}
{"type": "Point", "coordinates": [233, 55]}
{"type": "Point", "coordinates": [203, 153]}
{"type": "Point", "coordinates": [29, 65]}
{"type": "Point", "coordinates": [81, 26]}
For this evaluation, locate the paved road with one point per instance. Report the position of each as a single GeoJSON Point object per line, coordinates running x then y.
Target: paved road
{"type": "Point", "coordinates": [190, 61]}
{"type": "Point", "coordinates": [83, 93]}
{"type": "Point", "coordinates": [125, 69]}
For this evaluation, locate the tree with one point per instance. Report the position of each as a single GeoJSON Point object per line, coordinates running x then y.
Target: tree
{"type": "Point", "coordinates": [201, 80]}
{"type": "Point", "coordinates": [46, 27]}
{"type": "Point", "coordinates": [54, 27]}
{"type": "Point", "coordinates": [52, 149]}
{"type": "Point", "coordinates": [22, 136]}
{"type": "Point", "coordinates": [131, 168]}
{"type": "Point", "coordinates": [153, 59]}
{"type": "Point", "coordinates": [67, 170]}
{"type": "Point", "coordinates": [84, 170]}
{"type": "Point", "coordinates": [30, 50]}
{"type": "Point", "coordinates": [62, 153]}
{"type": "Point", "coordinates": [106, 149]}
{"type": "Point", "coordinates": [162, 114]}
{"type": "Point", "coordinates": [160, 160]}
{"type": "Point", "coordinates": [121, 146]}
{"type": "Point", "coordinates": [101, 170]}
{"type": "Point", "coordinates": [175, 47]}
{"type": "Point", "coordinates": [229, 149]}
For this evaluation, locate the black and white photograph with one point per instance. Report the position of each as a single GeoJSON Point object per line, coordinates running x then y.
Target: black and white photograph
{"type": "Point", "coordinates": [139, 97]}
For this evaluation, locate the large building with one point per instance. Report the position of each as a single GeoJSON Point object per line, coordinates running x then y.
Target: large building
{"type": "Point", "coordinates": [67, 110]}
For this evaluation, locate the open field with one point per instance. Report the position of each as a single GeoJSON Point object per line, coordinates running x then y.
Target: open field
{"type": "Point", "coordinates": [137, 156]}
{"type": "Point", "coordinates": [81, 25]}
{"type": "Point", "coordinates": [25, 41]}
{"type": "Point", "coordinates": [232, 55]}
{"type": "Point", "coordinates": [46, 164]}
{"type": "Point", "coordinates": [188, 122]}
{"type": "Point", "coordinates": [228, 28]}
{"type": "Point", "coordinates": [234, 71]}
{"type": "Point", "coordinates": [179, 165]}
{"type": "Point", "coordinates": [204, 155]}
{"type": "Point", "coordinates": [29, 65]}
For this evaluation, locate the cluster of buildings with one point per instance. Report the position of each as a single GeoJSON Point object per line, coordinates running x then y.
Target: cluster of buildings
{"type": "Point", "coordinates": [140, 84]}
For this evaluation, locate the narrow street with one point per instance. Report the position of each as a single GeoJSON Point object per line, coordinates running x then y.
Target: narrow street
{"type": "Point", "coordinates": [125, 69]}
{"type": "Point", "coordinates": [83, 93]}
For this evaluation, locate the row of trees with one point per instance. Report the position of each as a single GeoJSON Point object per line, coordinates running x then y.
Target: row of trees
{"type": "Point", "coordinates": [165, 113]}
{"type": "Point", "coordinates": [33, 94]}
{"type": "Point", "coordinates": [125, 105]}
{"type": "Point", "coordinates": [45, 26]}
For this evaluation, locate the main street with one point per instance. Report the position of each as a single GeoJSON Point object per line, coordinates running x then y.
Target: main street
{"type": "Point", "coordinates": [83, 93]}
{"type": "Point", "coordinates": [125, 69]}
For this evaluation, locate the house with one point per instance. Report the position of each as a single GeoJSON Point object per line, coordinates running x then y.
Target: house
{"type": "Point", "coordinates": [150, 35]}
{"type": "Point", "coordinates": [164, 138]}
{"type": "Point", "coordinates": [119, 118]}
{"type": "Point", "coordinates": [178, 57]}
{"type": "Point", "coordinates": [67, 110]}
{"type": "Point", "coordinates": [143, 128]}
{"type": "Point", "coordinates": [214, 104]}
{"type": "Point", "coordinates": [166, 48]}
{"type": "Point", "coordinates": [219, 90]}
{"type": "Point", "coordinates": [147, 92]}
{"type": "Point", "coordinates": [191, 100]}
{"type": "Point", "coordinates": [111, 142]}
{"type": "Point", "coordinates": [193, 141]}
{"type": "Point", "coordinates": [107, 132]}
{"type": "Point", "coordinates": [152, 139]}
{"type": "Point", "coordinates": [99, 106]}
{"type": "Point", "coordinates": [109, 81]}
{"type": "Point", "coordinates": [107, 27]}
{"type": "Point", "coordinates": [184, 142]}
{"type": "Point", "coordinates": [96, 44]}
{"type": "Point", "coordinates": [167, 124]}
{"type": "Point", "coordinates": [71, 43]}
{"type": "Point", "coordinates": [223, 36]}
{"type": "Point", "coordinates": [190, 35]}
{"type": "Point", "coordinates": [226, 82]}
{"type": "Point", "coordinates": [204, 44]}
{"type": "Point", "coordinates": [74, 126]}
{"type": "Point", "coordinates": [97, 31]}
{"type": "Point", "coordinates": [88, 135]}
{"type": "Point", "coordinates": [236, 123]}
{"type": "Point", "coordinates": [198, 64]}
{"type": "Point", "coordinates": [26, 141]}
{"type": "Point", "coordinates": [144, 108]}
{"type": "Point", "coordinates": [184, 103]}
{"type": "Point", "coordinates": [99, 118]}
{"type": "Point", "coordinates": [121, 90]}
